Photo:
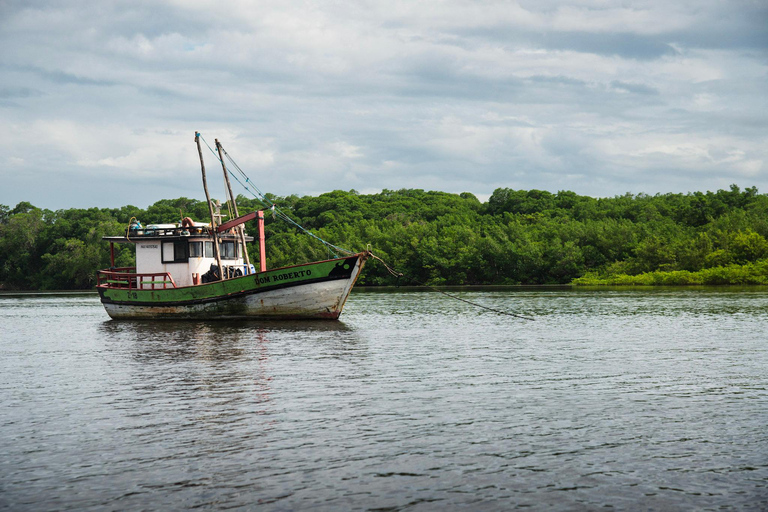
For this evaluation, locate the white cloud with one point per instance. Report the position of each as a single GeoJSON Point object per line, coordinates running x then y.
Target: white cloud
{"type": "Point", "coordinates": [594, 95]}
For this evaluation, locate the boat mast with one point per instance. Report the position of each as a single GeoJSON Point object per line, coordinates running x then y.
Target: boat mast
{"type": "Point", "coordinates": [210, 210]}
{"type": "Point", "coordinates": [240, 230]}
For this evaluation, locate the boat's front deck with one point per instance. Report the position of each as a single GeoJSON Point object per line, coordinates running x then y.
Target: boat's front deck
{"type": "Point", "coordinates": [127, 278]}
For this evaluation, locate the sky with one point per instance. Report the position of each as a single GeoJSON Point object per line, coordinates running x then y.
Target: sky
{"type": "Point", "coordinates": [100, 100]}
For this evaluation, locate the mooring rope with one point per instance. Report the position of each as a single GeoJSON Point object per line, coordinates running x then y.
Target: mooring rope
{"type": "Point", "coordinates": [259, 195]}
{"type": "Point", "coordinates": [398, 275]}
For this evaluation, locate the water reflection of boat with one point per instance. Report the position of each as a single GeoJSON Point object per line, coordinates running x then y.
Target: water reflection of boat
{"type": "Point", "coordinates": [198, 271]}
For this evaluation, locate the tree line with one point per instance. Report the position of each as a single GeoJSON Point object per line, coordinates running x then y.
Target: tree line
{"type": "Point", "coordinates": [439, 238]}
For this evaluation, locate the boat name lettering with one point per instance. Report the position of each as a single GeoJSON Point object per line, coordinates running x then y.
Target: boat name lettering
{"type": "Point", "coordinates": [285, 276]}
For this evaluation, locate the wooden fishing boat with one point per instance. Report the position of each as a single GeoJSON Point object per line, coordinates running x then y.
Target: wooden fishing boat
{"type": "Point", "coordinates": [177, 274]}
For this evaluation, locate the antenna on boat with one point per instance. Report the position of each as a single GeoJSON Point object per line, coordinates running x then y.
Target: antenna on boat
{"type": "Point", "coordinates": [240, 230]}
{"type": "Point", "coordinates": [210, 210]}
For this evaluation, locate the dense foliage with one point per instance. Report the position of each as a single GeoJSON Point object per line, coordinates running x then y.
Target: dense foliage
{"type": "Point", "coordinates": [528, 237]}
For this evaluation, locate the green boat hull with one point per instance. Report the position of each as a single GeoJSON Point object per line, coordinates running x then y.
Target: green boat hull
{"type": "Point", "coordinates": [314, 290]}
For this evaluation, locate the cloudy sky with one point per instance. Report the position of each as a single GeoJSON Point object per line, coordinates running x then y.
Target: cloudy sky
{"type": "Point", "coordinates": [99, 100]}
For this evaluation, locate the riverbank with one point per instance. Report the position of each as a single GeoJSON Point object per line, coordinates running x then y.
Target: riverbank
{"type": "Point", "coordinates": [750, 274]}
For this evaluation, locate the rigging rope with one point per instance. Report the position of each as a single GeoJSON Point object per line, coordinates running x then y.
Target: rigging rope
{"type": "Point", "coordinates": [277, 212]}
{"type": "Point", "coordinates": [260, 196]}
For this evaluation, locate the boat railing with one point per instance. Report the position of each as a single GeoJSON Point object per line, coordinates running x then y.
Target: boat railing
{"type": "Point", "coordinates": [155, 231]}
{"type": "Point", "coordinates": [127, 278]}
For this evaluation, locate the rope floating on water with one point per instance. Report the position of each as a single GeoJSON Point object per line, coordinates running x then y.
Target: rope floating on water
{"type": "Point", "coordinates": [398, 275]}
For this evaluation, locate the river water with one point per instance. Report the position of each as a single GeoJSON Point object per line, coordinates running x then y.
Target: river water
{"type": "Point", "coordinates": [652, 400]}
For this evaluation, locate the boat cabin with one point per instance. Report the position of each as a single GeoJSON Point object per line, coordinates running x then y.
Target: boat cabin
{"type": "Point", "coordinates": [176, 255]}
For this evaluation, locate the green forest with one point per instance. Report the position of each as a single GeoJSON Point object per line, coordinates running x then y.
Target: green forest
{"type": "Point", "coordinates": [437, 238]}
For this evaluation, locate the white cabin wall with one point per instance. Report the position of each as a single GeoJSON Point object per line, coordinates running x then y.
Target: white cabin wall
{"type": "Point", "coordinates": [149, 261]}
{"type": "Point", "coordinates": [148, 257]}
{"type": "Point", "coordinates": [180, 273]}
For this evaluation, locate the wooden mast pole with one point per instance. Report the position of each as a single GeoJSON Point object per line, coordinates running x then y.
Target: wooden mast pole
{"type": "Point", "coordinates": [262, 243]}
{"type": "Point", "coordinates": [240, 230]}
{"type": "Point", "coordinates": [210, 210]}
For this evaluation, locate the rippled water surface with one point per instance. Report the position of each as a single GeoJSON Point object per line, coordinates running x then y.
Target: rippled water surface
{"type": "Point", "coordinates": [626, 399]}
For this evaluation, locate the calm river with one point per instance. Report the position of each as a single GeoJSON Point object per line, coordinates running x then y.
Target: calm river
{"type": "Point", "coordinates": [653, 400]}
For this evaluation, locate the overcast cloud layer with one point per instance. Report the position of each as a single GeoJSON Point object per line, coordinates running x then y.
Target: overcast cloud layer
{"type": "Point", "coordinates": [99, 100]}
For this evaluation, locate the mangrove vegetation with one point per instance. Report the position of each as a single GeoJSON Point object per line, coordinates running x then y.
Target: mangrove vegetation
{"type": "Point", "coordinates": [516, 237]}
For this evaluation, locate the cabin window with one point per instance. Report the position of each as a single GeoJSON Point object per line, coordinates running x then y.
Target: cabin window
{"type": "Point", "coordinates": [209, 249]}
{"type": "Point", "coordinates": [228, 250]}
{"type": "Point", "coordinates": [195, 249]}
{"type": "Point", "coordinates": [175, 252]}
